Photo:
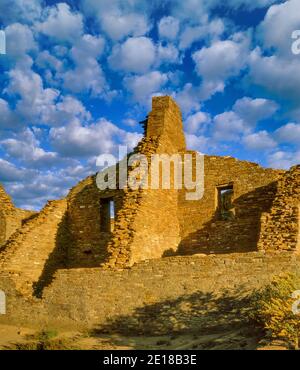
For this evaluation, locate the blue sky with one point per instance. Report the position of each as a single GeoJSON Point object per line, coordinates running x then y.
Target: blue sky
{"type": "Point", "coordinates": [79, 75]}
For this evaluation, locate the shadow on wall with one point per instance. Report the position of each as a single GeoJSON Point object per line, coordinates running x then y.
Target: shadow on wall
{"type": "Point", "coordinates": [57, 259]}
{"type": "Point", "coordinates": [195, 314]}
{"type": "Point", "coordinates": [239, 233]}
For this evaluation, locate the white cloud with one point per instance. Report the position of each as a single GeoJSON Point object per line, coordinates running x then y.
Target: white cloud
{"type": "Point", "coordinates": [142, 87]}
{"type": "Point", "coordinates": [197, 122]}
{"type": "Point", "coordinates": [277, 75]}
{"type": "Point", "coordinates": [136, 54]}
{"type": "Point", "coordinates": [209, 30]}
{"type": "Point", "coordinates": [8, 117]}
{"type": "Point", "coordinates": [67, 110]}
{"type": "Point", "coordinates": [76, 140]}
{"type": "Point", "coordinates": [168, 27]}
{"type": "Point", "coordinates": [25, 147]}
{"type": "Point", "coordinates": [61, 23]}
{"type": "Point", "coordinates": [35, 101]}
{"type": "Point", "coordinates": [19, 40]}
{"type": "Point", "coordinates": [227, 126]}
{"type": "Point", "coordinates": [117, 18]}
{"type": "Point", "coordinates": [188, 98]}
{"type": "Point", "coordinates": [118, 26]}
{"type": "Point", "coordinates": [9, 172]}
{"type": "Point", "coordinates": [283, 159]}
{"type": "Point", "coordinates": [259, 141]}
{"type": "Point", "coordinates": [25, 11]}
{"type": "Point", "coordinates": [254, 110]}
{"type": "Point", "coordinates": [220, 61]}
{"type": "Point", "coordinates": [46, 60]}
{"type": "Point", "coordinates": [87, 76]}
{"type": "Point", "coordinates": [194, 142]}
{"type": "Point", "coordinates": [289, 133]}
{"type": "Point", "coordinates": [279, 23]}
{"type": "Point", "coordinates": [167, 54]}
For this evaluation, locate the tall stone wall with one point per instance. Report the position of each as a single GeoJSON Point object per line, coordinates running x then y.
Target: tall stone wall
{"type": "Point", "coordinates": [88, 243]}
{"type": "Point", "coordinates": [280, 225]}
{"type": "Point", "coordinates": [202, 229]}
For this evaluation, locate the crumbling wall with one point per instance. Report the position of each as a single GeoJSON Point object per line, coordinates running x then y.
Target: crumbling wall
{"type": "Point", "coordinates": [147, 225]}
{"type": "Point", "coordinates": [88, 243]}
{"type": "Point", "coordinates": [11, 218]}
{"type": "Point", "coordinates": [280, 226]}
{"type": "Point", "coordinates": [35, 250]}
{"type": "Point", "coordinates": [202, 229]}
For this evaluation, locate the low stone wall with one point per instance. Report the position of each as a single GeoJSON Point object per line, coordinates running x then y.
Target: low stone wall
{"type": "Point", "coordinates": [118, 299]}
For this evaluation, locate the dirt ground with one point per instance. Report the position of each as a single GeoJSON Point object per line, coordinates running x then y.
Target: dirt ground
{"type": "Point", "coordinates": [12, 337]}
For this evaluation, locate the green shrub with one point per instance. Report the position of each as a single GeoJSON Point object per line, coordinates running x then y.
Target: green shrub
{"type": "Point", "coordinates": [271, 308]}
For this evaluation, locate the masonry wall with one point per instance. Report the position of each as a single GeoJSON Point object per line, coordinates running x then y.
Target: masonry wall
{"type": "Point", "coordinates": [280, 226]}
{"type": "Point", "coordinates": [154, 296]}
{"type": "Point", "coordinates": [147, 225]}
{"type": "Point", "coordinates": [11, 218]}
{"type": "Point", "coordinates": [88, 242]}
{"type": "Point", "coordinates": [37, 249]}
{"type": "Point", "coordinates": [254, 188]}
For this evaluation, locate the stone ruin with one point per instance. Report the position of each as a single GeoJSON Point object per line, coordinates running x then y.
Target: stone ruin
{"type": "Point", "coordinates": [248, 218]}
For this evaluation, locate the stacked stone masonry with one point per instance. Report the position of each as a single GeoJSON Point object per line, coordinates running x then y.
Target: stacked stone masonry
{"type": "Point", "coordinates": [73, 243]}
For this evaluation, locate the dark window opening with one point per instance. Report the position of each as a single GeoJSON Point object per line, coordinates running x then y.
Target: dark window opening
{"type": "Point", "coordinates": [225, 203]}
{"type": "Point", "coordinates": [107, 215]}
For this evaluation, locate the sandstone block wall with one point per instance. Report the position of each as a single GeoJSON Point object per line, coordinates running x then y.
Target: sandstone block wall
{"type": "Point", "coordinates": [88, 245]}
{"type": "Point", "coordinates": [202, 229]}
{"type": "Point", "coordinates": [280, 227]}
{"type": "Point", "coordinates": [36, 248]}
{"type": "Point", "coordinates": [154, 295]}
{"type": "Point", "coordinates": [11, 218]}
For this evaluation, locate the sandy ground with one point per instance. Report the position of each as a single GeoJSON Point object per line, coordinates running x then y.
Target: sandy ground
{"type": "Point", "coordinates": [12, 337]}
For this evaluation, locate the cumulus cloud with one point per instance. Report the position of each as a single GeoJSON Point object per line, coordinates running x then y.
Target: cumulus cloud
{"type": "Point", "coordinates": [219, 62]}
{"type": "Point", "coordinates": [10, 172]}
{"type": "Point", "coordinates": [197, 122]}
{"type": "Point", "coordinates": [283, 159]}
{"type": "Point", "coordinates": [142, 87]}
{"type": "Point", "coordinates": [34, 101]}
{"type": "Point", "coordinates": [136, 54]}
{"type": "Point", "coordinates": [254, 110]}
{"type": "Point", "coordinates": [228, 126]}
{"type": "Point", "coordinates": [259, 141]}
{"type": "Point", "coordinates": [19, 40]}
{"type": "Point", "coordinates": [25, 11]}
{"type": "Point", "coordinates": [289, 133]}
{"type": "Point", "coordinates": [8, 118]}
{"type": "Point", "coordinates": [168, 28]}
{"type": "Point", "coordinates": [276, 75]}
{"type": "Point", "coordinates": [199, 143]}
{"type": "Point", "coordinates": [167, 54]}
{"type": "Point", "coordinates": [119, 19]}
{"type": "Point", "coordinates": [61, 23]}
{"type": "Point", "coordinates": [209, 30]}
{"type": "Point", "coordinates": [25, 147]}
{"type": "Point", "coordinates": [279, 23]}
{"type": "Point", "coordinates": [188, 98]}
{"type": "Point", "coordinates": [76, 140]}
